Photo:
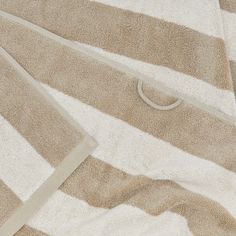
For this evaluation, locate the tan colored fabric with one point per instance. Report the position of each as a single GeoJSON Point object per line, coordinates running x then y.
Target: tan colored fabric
{"type": "Point", "coordinates": [27, 108]}
{"type": "Point", "coordinates": [8, 202]}
{"type": "Point", "coordinates": [127, 33]}
{"type": "Point", "coordinates": [28, 231]}
{"type": "Point", "coordinates": [36, 119]}
{"type": "Point", "coordinates": [101, 185]}
{"type": "Point", "coordinates": [228, 5]}
{"type": "Point", "coordinates": [233, 72]}
{"type": "Point", "coordinates": [115, 93]}
{"type": "Point", "coordinates": [101, 86]}
{"type": "Point", "coordinates": [157, 97]}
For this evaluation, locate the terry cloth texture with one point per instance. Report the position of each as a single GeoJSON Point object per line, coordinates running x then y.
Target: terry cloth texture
{"type": "Point", "coordinates": [37, 142]}
{"type": "Point", "coordinates": [229, 22]}
{"type": "Point", "coordinates": [180, 44]}
{"type": "Point", "coordinates": [154, 172]}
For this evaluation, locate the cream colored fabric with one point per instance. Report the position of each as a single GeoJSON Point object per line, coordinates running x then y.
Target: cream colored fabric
{"type": "Point", "coordinates": [229, 23]}
{"type": "Point", "coordinates": [153, 172]}
{"type": "Point", "coordinates": [157, 39]}
{"type": "Point", "coordinates": [38, 141]}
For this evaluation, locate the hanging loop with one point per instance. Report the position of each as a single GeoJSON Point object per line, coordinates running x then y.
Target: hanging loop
{"type": "Point", "coordinates": [154, 105]}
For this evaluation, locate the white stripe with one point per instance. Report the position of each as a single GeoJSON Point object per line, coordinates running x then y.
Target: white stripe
{"type": "Point", "coordinates": [65, 215]}
{"type": "Point", "coordinates": [136, 152]}
{"type": "Point", "coordinates": [190, 87]}
{"type": "Point", "coordinates": [21, 167]}
{"type": "Point", "coordinates": [206, 93]}
{"type": "Point", "coordinates": [229, 20]}
{"type": "Point", "coordinates": [202, 15]}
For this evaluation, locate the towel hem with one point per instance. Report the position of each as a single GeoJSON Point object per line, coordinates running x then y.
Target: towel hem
{"type": "Point", "coordinates": [76, 156]}
{"type": "Point", "coordinates": [41, 195]}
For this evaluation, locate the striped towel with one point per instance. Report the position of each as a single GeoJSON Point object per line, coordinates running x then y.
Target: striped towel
{"type": "Point", "coordinates": [40, 145]}
{"type": "Point", "coordinates": [154, 172]}
{"type": "Point", "coordinates": [181, 44]}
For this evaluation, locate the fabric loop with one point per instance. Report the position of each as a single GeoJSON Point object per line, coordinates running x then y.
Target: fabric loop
{"type": "Point", "coordinates": [154, 105]}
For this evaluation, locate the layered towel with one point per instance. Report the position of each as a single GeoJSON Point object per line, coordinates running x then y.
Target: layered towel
{"type": "Point", "coordinates": [179, 44]}
{"type": "Point", "coordinates": [40, 145]}
{"type": "Point", "coordinates": [154, 172]}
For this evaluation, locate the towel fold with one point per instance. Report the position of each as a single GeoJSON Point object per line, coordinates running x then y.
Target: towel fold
{"type": "Point", "coordinates": [153, 172]}
{"type": "Point", "coordinates": [180, 45]}
{"type": "Point", "coordinates": [40, 145]}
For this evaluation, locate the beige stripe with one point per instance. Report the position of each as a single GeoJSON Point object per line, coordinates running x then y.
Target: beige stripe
{"type": "Point", "coordinates": [67, 165]}
{"type": "Point", "coordinates": [131, 34]}
{"type": "Point", "coordinates": [36, 119]}
{"type": "Point", "coordinates": [233, 73]}
{"type": "Point", "coordinates": [28, 231]}
{"type": "Point", "coordinates": [228, 5]}
{"type": "Point", "coordinates": [186, 127]}
{"type": "Point", "coordinates": [9, 202]}
{"type": "Point", "coordinates": [101, 87]}
{"type": "Point", "coordinates": [207, 103]}
{"type": "Point", "coordinates": [101, 185]}
{"type": "Point", "coordinates": [41, 195]}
